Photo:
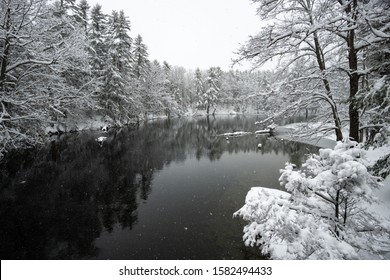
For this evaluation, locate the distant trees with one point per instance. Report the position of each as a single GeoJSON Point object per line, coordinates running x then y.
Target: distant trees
{"type": "Point", "coordinates": [213, 88]}
{"type": "Point", "coordinates": [198, 88]}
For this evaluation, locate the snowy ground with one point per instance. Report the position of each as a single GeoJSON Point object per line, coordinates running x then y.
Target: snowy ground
{"type": "Point", "coordinates": [372, 155]}
{"type": "Point", "coordinates": [383, 194]}
{"type": "Point", "coordinates": [327, 141]}
{"type": "Point", "coordinates": [289, 132]}
{"type": "Point", "coordinates": [220, 111]}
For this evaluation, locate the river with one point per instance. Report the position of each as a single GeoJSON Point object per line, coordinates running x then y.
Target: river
{"type": "Point", "coordinates": [164, 190]}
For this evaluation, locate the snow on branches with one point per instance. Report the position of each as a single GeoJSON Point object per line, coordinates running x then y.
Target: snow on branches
{"type": "Point", "coordinates": [323, 215]}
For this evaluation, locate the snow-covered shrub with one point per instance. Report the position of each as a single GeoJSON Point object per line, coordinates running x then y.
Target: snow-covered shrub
{"type": "Point", "coordinates": [382, 166]}
{"type": "Point", "coordinates": [323, 215]}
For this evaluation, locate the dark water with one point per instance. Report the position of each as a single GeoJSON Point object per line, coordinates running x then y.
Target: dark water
{"type": "Point", "coordinates": [165, 190]}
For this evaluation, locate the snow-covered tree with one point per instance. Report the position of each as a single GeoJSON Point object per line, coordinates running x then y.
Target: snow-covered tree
{"type": "Point", "coordinates": [373, 97]}
{"type": "Point", "coordinates": [81, 13]}
{"type": "Point", "coordinates": [325, 212]}
{"type": "Point", "coordinates": [198, 87]}
{"type": "Point", "coordinates": [41, 52]}
{"type": "Point", "coordinates": [375, 102]}
{"type": "Point", "coordinates": [140, 55]}
{"type": "Point", "coordinates": [361, 25]}
{"type": "Point", "coordinates": [153, 89]}
{"type": "Point", "coordinates": [119, 42]}
{"type": "Point", "coordinates": [156, 98]}
{"type": "Point", "coordinates": [294, 35]}
{"type": "Point", "coordinates": [213, 86]}
{"type": "Point", "coordinates": [332, 36]}
{"type": "Point", "coordinates": [178, 88]}
{"type": "Point", "coordinates": [96, 35]}
{"type": "Point", "coordinates": [120, 94]}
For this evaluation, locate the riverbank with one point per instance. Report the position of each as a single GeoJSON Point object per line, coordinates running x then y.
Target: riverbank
{"type": "Point", "coordinates": [371, 156]}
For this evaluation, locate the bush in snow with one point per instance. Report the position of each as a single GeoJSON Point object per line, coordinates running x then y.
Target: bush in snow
{"type": "Point", "coordinates": [324, 213]}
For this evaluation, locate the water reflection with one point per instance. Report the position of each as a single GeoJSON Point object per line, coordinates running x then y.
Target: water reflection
{"type": "Point", "coordinates": [165, 190]}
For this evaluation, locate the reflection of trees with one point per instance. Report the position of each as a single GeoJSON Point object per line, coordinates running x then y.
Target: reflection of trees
{"type": "Point", "coordinates": [56, 201]}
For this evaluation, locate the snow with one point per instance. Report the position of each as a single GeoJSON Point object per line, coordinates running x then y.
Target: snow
{"type": "Point", "coordinates": [80, 123]}
{"type": "Point", "coordinates": [288, 132]}
{"type": "Point", "coordinates": [235, 134]}
{"type": "Point", "coordinates": [373, 154]}
{"type": "Point", "coordinates": [379, 84]}
{"type": "Point", "coordinates": [293, 222]}
{"type": "Point", "coordinates": [101, 139]}
{"type": "Point", "coordinates": [262, 131]}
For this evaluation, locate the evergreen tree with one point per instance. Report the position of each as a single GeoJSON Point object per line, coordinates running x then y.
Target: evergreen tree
{"type": "Point", "coordinates": [81, 13]}
{"type": "Point", "coordinates": [210, 97]}
{"type": "Point", "coordinates": [140, 55]}
{"type": "Point", "coordinates": [119, 42]}
{"type": "Point", "coordinates": [115, 95]}
{"type": "Point", "coordinates": [199, 88]}
{"type": "Point", "coordinates": [97, 47]}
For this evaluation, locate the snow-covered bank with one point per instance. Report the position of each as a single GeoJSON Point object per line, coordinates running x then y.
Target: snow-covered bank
{"type": "Point", "coordinates": [301, 223]}
{"type": "Point", "coordinates": [79, 124]}
{"type": "Point", "coordinates": [290, 132]}
{"type": "Point", "coordinates": [85, 122]}
{"type": "Point", "coordinates": [222, 111]}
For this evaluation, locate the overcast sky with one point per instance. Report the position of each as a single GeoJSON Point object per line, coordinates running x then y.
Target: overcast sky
{"type": "Point", "coordinates": [189, 33]}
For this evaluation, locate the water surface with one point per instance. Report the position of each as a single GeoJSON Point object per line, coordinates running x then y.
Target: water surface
{"type": "Point", "coordinates": [165, 190]}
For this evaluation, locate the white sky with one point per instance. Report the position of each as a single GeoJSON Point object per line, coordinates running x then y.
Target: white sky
{"type": "Point", "coordinates": [189, 33]}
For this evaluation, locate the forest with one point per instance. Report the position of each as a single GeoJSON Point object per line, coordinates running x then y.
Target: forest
{"type": "Point", "coordinates": [64, 61]}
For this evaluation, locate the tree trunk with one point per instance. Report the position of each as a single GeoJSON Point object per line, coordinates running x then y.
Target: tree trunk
{"type": "Point", "coordinates": [5, 54]}
{"type": "Point", "coordinates": [353, 89]}
{"type": "Point", "coordinates": [353, 74]}
{"type": "Point", "coordinates": [321, 65]}
{"type": "Point", "coordinates": [337, 211]}
{"type": "Point", "coordinates": [345, 211]}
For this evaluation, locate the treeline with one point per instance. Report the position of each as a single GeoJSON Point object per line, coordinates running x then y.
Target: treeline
{"type": "Point", "coordinates": [64, 60]}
